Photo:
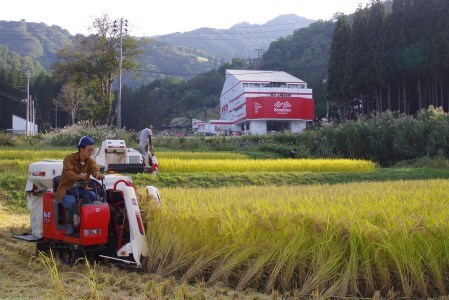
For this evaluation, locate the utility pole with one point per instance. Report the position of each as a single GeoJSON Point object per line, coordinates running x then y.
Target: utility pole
{"type": "Point", "coordinates": [56, 115]}
{"type": "Point", "coordinates": [32, 116]}
{"type": "Point", "coordinates": [123, 23]}
{"type": "Point", "coordinates": [27, 129]}
{"type": "Point", "coordinates": [259, 52]}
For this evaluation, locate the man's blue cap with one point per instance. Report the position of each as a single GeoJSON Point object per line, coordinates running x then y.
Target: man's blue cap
{"type": "Point", "coordinates": [85, 141]}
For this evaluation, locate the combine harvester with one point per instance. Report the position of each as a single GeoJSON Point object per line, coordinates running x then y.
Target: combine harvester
{"type": "Point", "coordinates": [111, 228]}
{"type": "Point", "coordinates": [114, 156]}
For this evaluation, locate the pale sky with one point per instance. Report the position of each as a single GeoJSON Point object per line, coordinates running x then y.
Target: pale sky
{"type": "Point", "coordinates": [148, 18]}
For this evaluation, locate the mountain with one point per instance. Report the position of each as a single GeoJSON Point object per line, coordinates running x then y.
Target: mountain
{"type": "Point", "coordinates": [23, 41]}
{"type": "Point", "coordinates": [34, 46]}
{"type": "Point", "coordinates": [242, 40]}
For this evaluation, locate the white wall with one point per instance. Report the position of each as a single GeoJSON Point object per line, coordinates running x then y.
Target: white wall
{"type": "Point", "coordinates": [298, 126]}
{"type": "Point", "coordinates": [19, 125]}
{"type": "Point", "coordinates": [258, 127]}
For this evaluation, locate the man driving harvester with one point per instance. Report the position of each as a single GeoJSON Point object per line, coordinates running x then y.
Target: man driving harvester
{"type": "Point", "coordinates": [77, 166]}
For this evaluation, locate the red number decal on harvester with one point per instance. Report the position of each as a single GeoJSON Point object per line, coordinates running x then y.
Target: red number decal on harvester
{"type": "Point", "coordinates": [47, 216]}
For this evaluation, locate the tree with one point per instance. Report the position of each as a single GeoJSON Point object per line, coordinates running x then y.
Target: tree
{"type": "Point", "coordinates": [338, 61]}
{"type": "Point", "coordinates": [71, 99]}
{"type": "Point", "coordinates": [92, 61]}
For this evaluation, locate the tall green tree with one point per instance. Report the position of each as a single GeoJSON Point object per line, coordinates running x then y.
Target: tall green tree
{"type": "Point", "coordinates": [12, 93]}
{"type": "Point", "coordinates": [155, 103]}
{"type": "Point", "coordinates": [359, 64]}
{"type": "Point", "coordinates": [44, 89]}
{"type": "Point", "coordinates": [93, 62]}
{"type": "Point", "coordinates": [337, 81]}
{"type": "Point", "coordinates": [376, 18]}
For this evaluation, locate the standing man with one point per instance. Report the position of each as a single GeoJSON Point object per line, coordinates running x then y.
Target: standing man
{"type": "Point", "coordinates": [77, 166]}
{"type": "Point", "coordinates": [145, 144]}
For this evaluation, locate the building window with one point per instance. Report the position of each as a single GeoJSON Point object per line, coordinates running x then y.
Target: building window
{"type": "Point", "coordinates": [274, 85]}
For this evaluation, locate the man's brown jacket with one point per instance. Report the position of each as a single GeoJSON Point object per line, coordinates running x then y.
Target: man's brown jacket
{"type": "Point", "coordinates": [72, 167]}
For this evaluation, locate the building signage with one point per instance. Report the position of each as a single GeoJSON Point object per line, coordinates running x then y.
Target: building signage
{"type": "Point", "coordinates": [279, 108]}
{"type": "Point", "coordinates": [282, 108]}
{"type": "Point", "coordinates": [280, 95]}
{"type": "Point", "coordinates": [257, 107]}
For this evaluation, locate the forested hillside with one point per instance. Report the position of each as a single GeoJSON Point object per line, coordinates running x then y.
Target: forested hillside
{"type": "Point", "coordinates": [182, 96]}
{"type": "Point", "coordinates": [32, 46]}
{"type": "Point", "coordinates": [377, 59]}
{"type": "Point", "coordinates": [304, 54]}
{"type": "Point", "coordinates": [390, 61]}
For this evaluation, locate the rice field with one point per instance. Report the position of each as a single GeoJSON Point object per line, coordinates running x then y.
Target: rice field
{"type": "Point", "coordinates": [200, 162]}
{"type": "Point", "coordinates": [28, 155]}
{"type": "Point", "coordinates": [37, 154]}
{"type": "Point", "coordinates": [275, 165]}
{"type": "Point", "coordinates": [341, 240]}
{"type": "Point", "coordinates": [389, 239]}
{"type": "Point", "coordinates": [200, 155]}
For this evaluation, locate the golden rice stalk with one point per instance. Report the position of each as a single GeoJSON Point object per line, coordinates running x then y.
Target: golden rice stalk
{"type": "Point", "coordinates": [201, 155]}
{"type": "Point", "coordinates": [276, 165]}
{"type": "Point", "coordinates": [343, 240]}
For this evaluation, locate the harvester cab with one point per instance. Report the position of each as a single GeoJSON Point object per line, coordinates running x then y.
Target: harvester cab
{"type": "Point", "coordinates": [111, 227]}
{"type": "Point", "coordinates": [113, 155]}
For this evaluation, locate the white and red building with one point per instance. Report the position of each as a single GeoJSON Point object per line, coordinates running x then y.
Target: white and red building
{"type": "Point", "coordinates": [260, 102]}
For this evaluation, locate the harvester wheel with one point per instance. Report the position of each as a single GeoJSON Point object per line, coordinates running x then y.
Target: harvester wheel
{"type": "Point", "coordinates": [67, 256]}
{"type": "Point", "coordinates": [41, 247]}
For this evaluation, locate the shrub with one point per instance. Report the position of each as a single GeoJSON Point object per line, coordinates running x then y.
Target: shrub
{"type": "Point", "coordinates": [70, 135]}
{"type": "Point", "coordinates": [7, 139]}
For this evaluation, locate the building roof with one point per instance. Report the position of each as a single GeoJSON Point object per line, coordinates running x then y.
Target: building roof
{"type": "Point", "coordinates": [260, 75]}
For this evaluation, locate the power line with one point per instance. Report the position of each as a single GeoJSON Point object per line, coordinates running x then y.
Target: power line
{"type": "Point", "coordinates": [16, 99]}
{"type": "Point", "coordinates": [11, 85]}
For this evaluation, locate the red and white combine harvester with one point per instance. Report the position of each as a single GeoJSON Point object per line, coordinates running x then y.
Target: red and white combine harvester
{"type": "Point", "coordinates": [111, 228]}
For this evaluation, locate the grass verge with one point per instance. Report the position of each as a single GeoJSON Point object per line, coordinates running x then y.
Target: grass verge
{"type": "Point", "coordinates": [283, 178]}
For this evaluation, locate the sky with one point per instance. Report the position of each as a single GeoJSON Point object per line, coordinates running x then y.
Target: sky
{"type": "Point", "coordinates": [149, 18]}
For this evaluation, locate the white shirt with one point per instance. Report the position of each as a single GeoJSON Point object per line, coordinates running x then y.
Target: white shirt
{"type": "Point", "coordinates": [144, 136]}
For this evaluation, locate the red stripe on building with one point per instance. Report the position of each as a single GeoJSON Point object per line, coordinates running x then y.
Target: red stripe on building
{"type": "Point", "coordinates": [279, 108]}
